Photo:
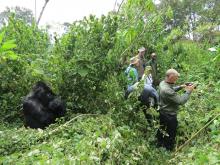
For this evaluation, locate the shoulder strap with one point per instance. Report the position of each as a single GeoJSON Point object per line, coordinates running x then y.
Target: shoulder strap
{"type": "Point", "coordinates": [127, 70]}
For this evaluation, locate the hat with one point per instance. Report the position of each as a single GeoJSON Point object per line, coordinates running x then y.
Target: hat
{"type": "Point", "coordinates": [153, 54]}
{"type": "Point", "coordinates": [148, 70]}
{"type": "Point", "coordinates": [212, 49]}
{"type": "Point", "coordinates": [134, 60]}
{"type": "Point", "coordinates": [142, 49]}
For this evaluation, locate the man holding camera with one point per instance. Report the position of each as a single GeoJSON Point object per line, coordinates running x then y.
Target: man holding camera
{"type": "Point", "coordinates": [169, 102]}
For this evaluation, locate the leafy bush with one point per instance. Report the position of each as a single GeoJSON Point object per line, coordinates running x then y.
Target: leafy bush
{"type": "Point", "coordinates": [85, 66]}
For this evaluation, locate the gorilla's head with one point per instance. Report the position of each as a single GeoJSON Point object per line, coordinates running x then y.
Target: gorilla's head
{"type": "Point", "coordinates": [43, 86]}
{"type": "Point", "coordinates": [43, 93]}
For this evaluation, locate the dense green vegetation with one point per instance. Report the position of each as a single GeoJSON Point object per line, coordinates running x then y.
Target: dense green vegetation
{"type": "Point", "coordinates": [86, 67]}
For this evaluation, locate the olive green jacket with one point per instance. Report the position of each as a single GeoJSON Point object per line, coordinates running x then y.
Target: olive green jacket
{"type": "Point", "coordinates": [169, 100]}
{"type": "Point", "coordinates": [153, 64]}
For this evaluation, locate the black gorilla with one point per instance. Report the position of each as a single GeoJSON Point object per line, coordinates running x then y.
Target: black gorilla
{"type": "Point", "coordinates": [41, 107]}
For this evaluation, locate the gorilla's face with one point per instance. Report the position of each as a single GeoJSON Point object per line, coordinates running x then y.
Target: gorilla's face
{"type": "Point", "coordinates": [43, 86]}
{"type": "Point", "coordinates": [43, 93]}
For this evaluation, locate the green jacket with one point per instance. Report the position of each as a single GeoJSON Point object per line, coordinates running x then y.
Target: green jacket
{"type": "Point", "coordinates": [132, 75]}
{"type": "Point", "coordinates": [169, 100]}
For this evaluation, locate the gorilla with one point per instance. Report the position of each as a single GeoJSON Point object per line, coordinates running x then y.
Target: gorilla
{"type": "Point", "coordinates": [41, 107]}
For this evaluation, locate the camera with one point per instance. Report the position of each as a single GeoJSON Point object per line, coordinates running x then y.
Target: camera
{"type": "Point", "coordinates": [190, 84]}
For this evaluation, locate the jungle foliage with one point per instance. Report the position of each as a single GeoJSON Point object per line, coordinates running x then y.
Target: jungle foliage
{"type": "Point", "coordinates": [86, 67]}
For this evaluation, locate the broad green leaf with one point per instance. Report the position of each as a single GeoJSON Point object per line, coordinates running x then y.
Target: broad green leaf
{"type": "Point", "coordinates": [130, 35]}
{"type": "Point", "coordinates": [12, 55]}
{"type": "Point", "coordinates": [8, 45]}
{"type": "Point", "coordinates": [169, 13]}
{"type": "Point", "coordinates": [150, 5]}
{"type": "Point", "coordinates": [83, 72]}
{"type": "Point", "coordinates": [216, 59]}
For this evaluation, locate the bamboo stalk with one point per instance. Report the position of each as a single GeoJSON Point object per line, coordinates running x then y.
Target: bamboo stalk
{"type": "Point", "coordinates": [195, 134]}
{"type": "Point", "coordinates": [192, 137]}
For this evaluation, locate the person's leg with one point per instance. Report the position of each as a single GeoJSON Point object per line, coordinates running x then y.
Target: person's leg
{"type": "Point", "coordinates": [144, 97]}
{"type": "Point", "coordinates": [155, 96]}
{"type": "Point", "coordinates": [128, 91]}
{"type": "Point", "coordinates": [148, 116]}
{"type": "Point", "coordinates": [126, 94]}
{"type": "Point", "coordinates": [171, 131]}
{"type": "Point", "coordinates": [160, 133]}
{"type": "Point", "coordinates": [145, 104]}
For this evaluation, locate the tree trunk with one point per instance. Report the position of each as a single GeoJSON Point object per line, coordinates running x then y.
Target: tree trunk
{"type": "Point", "coordinates": [120, 6]}
{"type": "Point", "coordinates": [41, 13]}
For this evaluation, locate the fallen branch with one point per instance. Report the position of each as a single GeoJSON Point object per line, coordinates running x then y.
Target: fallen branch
{"type": "Point", "coordinates": [68, 122]}
{"type": "Point", "coordinates": [42, 138]}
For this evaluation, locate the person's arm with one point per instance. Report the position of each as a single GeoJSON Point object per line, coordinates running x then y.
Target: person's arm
{"type": "Point", "coordinates": [154, 94]}
{"type": "Point", "coordinates": [178, 88]}
{"type": "Point", "coordinates": [148, 63]}
{"type": "Point", "coordinates": [178, 99]}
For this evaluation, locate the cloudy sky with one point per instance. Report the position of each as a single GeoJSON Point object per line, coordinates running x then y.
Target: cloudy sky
{"type": "Point", "coordinates": [63, 10]}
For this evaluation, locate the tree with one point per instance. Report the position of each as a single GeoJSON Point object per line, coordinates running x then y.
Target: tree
{"type": "Point", "coordinates": [19, 13]}
{"type": "Point", "coordinates": [190, 14]}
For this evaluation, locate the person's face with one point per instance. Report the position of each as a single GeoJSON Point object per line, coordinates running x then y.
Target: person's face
{"type": "Point", "coordinates": [153, 56]}
{"type": "Point", "coordinates": [142, 53]}
{"type": "Point", "coordinates": [173, 78]}
{"type": "Point", "coordinates": [137, 64]}
{"type": "Point", "coordinates": [148, 72]}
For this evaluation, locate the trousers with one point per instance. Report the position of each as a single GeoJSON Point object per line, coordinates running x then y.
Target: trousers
{"type": "Point", "coordinates": [166, 135]}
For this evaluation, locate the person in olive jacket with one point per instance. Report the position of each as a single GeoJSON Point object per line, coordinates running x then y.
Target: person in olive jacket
{"type": "Point", "coordinates": [153, 63]}
{"type": "Point", "coordinates": [169, 102]}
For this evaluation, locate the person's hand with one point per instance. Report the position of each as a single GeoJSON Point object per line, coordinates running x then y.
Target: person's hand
{"type": "Point", "coordinates": [183, 86]}
{"type": "Point", "coordinates": [143, 77]}
{"type": "Point", "coordinates": [135, 85]}
{"type": "Point", "coordinates": [189, 88]}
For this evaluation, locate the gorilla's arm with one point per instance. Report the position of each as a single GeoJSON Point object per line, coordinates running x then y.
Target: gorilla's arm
{"type": "Point", "coordinates": [57, 107]}
{"type": "Point", "coordinates": [34, 109]}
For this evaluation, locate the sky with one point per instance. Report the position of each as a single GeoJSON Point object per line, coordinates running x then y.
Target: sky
{"type": "Point", "coordinates": [60, 11]}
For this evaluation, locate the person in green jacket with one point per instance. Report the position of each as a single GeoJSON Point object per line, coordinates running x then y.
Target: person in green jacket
{"type": "Point", "coordinates": [169, 102]}
{"type": "Point", "coordinates": [132, 75]}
